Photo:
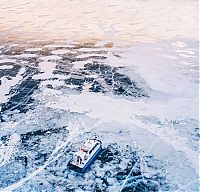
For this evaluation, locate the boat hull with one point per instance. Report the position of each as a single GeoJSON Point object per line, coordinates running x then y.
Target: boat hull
{"type": "Point", "coordinates": [88, 164]}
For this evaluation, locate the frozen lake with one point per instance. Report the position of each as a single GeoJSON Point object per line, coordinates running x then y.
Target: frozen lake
{"type": "Point", "coordinates": [133, 20]}
{"type": "Point", "coordinates": [125, 72]}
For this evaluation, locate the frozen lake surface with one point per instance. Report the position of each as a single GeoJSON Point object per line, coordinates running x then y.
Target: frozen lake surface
{"type": "Point", "coordinates": [125, 72]}
{"type": "Point", "coordinates": [132, 20]}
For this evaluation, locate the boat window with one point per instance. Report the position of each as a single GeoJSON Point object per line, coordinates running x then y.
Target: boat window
{"type": "Point", "coordinates": [93, 148]}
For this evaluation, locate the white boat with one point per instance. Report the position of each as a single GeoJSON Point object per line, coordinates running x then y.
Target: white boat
{"type": "Point", "coordinates": [87, 154]}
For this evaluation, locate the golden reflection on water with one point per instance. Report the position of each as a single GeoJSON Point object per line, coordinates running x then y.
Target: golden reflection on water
{"type": "Point", "coordinates": [136, 20]}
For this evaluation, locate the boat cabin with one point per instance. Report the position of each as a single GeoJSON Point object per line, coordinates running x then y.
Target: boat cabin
{"type": "Point", "coordinates": [87, 153]}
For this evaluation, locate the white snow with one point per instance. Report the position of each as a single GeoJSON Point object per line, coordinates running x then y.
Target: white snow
{"type": "Point", "coordinates": [166, 68]}
{"type": "Point", "coordinates": [6, 85]}
{"type": "Point", "coordinates": [71, 86]}
{"type": "Point", "coordinates": [34, 49]}
{"type": "Point", "coordinates": [50, 58]}
{"type": "Point", "coordinates": [92, 104]}
{"type": "Point", "coordinates": [115, 61]}
{"type": "Point", "coordinates": [6, 67]}
{"type": "Point", "coordinates": [47, 68]}
{"type": "Point", "coordinates": [3, 60]}
{"type": "Point", "coordinates": [166, 76]}
{"type": "Point", "coordinates": [54, 83]}
{"type": "Point", "coordinates": [80, 64]}
{"type": "Point", "coordinates": [62, 51]}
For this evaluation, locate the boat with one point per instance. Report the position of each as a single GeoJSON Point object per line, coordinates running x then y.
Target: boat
{"type": "Point", "coordinates": [86, 155]}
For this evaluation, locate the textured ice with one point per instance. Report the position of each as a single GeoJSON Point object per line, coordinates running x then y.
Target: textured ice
{"type": "Point", "coordinates": [6, 150]}
{"type": "Point", "coordinates": [126, 72]}
{"type": "Point", "coordinates": [25, 55]}
{"type": "Point", "coordinates": [6, 85]}
{"type": "Point", "coordinates": [7, 60]}
{"type": "Point", "coordinates": [148, 124]}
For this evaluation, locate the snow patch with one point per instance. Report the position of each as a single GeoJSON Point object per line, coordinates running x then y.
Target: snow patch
{"type": "Point", "coordinates": [6, 85]}
{"type": "Point", "coordinates": [7, 60]}
{"type": "Point", "coordinates": [33, 49]}
{"type": "Point", "coordinates": [50, 58]}
{"type": "Point", "coordinates": [62, 51]}
{"type": "Point", "coordinates": [80, 64]}
{"type": "Point", "coordinates": [6, 67]}
{"type": "Point", "coordinates": [47, 68]}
